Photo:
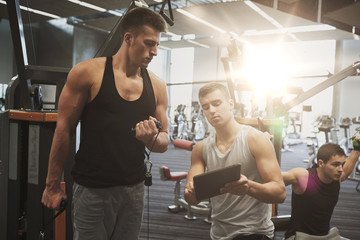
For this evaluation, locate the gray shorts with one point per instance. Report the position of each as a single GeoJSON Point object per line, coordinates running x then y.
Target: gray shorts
{"type": "Point", "coordinates": [107, 213]}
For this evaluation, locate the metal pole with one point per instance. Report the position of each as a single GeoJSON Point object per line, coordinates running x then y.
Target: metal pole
{"type": "Point", "coordinates": [351, 70]}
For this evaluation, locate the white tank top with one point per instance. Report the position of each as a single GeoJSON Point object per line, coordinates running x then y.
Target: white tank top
{"type": "Point", "coordinates": [234, 215]}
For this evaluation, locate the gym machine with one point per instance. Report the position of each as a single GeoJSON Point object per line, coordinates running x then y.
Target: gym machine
{"type": "Point", "coordinates": [355, 175]}
{"type": "Point", "coordinates": [25, 143]}
{"type": "Point", "coordinates": [345, 124]}
{"type": "Point", "coordinates": [27, 127]}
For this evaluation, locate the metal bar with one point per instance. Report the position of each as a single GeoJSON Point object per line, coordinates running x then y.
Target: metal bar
{"type": "Point", "coordinates": [312, 76]}
{"type": "Point", "coordinates": [17, 33]}
{"type": "Point", "coordinates": [318, 19]}
{"type": "Point", "coordinates": [46, 74]}
{"type": "Point", "coordinates": [323, 85]}
{"type": "Point", "coordinates": [229, 78]}
{"type": "Point", "coordinates": [197, 82]}
{"type": "Point", "coordinates": [83, 24]}
{"type": "Point", "coordinates": [4, 172]}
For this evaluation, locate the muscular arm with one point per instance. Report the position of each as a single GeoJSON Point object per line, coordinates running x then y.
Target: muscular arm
{"type": "Point", "coordinates": [350, 164]}
{"type": "Point", "coordinates": [273, 189]}
{"type": "Point", "coordinates": [148, 132]}
{"type": "Point", "coordinates": [73, 97]}
{"type": "Point", "coordinates": [197, 167]}
{"type": "Point", "coordinates": [298, 178]}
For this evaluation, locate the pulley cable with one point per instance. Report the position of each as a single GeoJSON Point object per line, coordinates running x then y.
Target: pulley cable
{"type": "Point", "coordinates": [31, 32]}
{"type": "Point", "coordinates": [148, 176]}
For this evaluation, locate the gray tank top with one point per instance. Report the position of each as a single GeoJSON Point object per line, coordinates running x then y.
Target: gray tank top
{"type": "Point", "coordinates": [234, 215]}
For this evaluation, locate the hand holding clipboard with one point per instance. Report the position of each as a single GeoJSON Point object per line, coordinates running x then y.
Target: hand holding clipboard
{"type": "Point", "coordinates": [209, 183]}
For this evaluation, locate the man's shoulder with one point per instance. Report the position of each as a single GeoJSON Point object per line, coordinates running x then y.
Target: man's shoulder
{"type": "Point", "coordinates": [88, 69]}
{"type": "Point", "coordinates": [253, 134]}
{"type": "Point", "coordinates": [92, 64]}
{"type": "Point", "coordinates": [299, 172]}
{"type": "Point", "coordinates": [301, 179]}
{"type": "Point", "coordinates": [155, 80]}
{"type": "Point", "coordinates": [158, 85]}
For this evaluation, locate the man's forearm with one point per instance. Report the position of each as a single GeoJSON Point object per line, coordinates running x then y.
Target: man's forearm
{"type": "Point", "coordinates": [58, 156]}
{"type": "Point", "coordinates": [271, 192]}
{"type": "Point", "coordinates": [350, 163]}
{"type": "Point", "coordinates": [159, 144]}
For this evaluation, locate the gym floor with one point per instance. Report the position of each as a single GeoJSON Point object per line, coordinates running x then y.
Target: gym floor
{"type": "Point", "coordinates": [164, 225]}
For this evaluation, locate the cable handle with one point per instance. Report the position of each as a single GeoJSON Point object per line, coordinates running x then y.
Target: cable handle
{"type": "Point", "coordinates": [62, 208]}
{"type": "Point", "coordinates": [157, 124]}
{"type": "Point", "coordinates": [356, 143]}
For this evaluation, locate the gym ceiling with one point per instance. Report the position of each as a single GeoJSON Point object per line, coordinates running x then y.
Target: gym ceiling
{"type": "Point", "coordinates": [266, 21]}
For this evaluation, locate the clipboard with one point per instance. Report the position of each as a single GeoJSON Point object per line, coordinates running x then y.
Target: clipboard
{"type": "Point", "coordinates": [208, 184]}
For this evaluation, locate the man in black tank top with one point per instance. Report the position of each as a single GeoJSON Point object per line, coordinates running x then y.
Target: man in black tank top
{"type": "Point", "coordinates": [119, 104]}
{"type": "Point", "coordinates": [315, 192]}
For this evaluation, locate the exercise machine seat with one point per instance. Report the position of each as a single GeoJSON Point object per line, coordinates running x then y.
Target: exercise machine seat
{"type": "Point", "coordinates": [184, 144]}
{"type": "Point", "coordinates": [172, 176]}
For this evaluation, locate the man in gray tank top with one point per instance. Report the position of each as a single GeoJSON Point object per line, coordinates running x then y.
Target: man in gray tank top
{"type": "Point", "coordinates": [243, 210]}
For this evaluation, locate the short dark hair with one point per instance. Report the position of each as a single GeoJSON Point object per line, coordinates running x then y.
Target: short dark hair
{"type": "Point", "coordinates": [135, 19]}
{"type": "Point", "coordinates": [329, 150]}
{"type": "Point", "coordinates": [210, 87]}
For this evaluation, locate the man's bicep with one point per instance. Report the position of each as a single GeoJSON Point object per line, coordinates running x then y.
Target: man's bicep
{"type": "Point", "coordinates": [197, 163]}
{"type": "Point", "coordinates": [161, 115]}
{"type": "Point", "coordinates": [289, 178]}
{"type": "Point", "coordinates": [264, 154]}
{"type": "Point", "coordinates": [297, 177]}
{"type": "Point", "coordinates": [269, 169]}
{"type": "Point", "coordinates": [73, 98]}
{"type": "Point", "coordinates": [161, 104]}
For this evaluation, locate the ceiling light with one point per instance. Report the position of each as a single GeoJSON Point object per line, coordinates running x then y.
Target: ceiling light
{"type": "Point", "coordinates": [175, 38]}
{"type": "Point", "coordinates": [269, 18]}
{"type": "Point", "coordinates": [290, 30]}
{"type": "Point", "coordinates": [116, 13]}
{"type": "Point", "coordinates": [200, 20]}
{"type": "Point", "coordinates": [88, 5]}
{"type": "Point", "coordinates": [189, 37]}
{"type": "Point", "coordinates": [140, 3]}
{"type": "Point", "coordinates": [311, 28]}
{"type": "Point", "coordinates": [39, 12]}
{"type": "Point", "coordinates": [35, 11]}
{"type": "Point", "coordinates": [263, 14]}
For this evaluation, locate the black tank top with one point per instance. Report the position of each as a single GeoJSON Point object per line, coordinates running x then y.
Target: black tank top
{"type": "Point", "coordinates": [109, 154]}
{"type": "Point", "coordinates": [311, 211]}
